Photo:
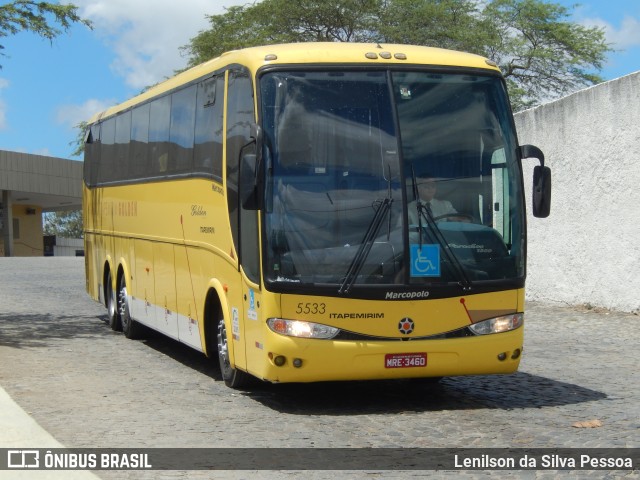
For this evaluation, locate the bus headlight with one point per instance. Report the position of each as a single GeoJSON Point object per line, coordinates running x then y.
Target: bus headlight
{"type": "Point", "coordinates": [498, 324]}
{"type": "Point", "coordinates": [298, 328]}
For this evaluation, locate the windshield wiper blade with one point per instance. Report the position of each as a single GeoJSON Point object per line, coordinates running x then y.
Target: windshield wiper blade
{"type": "Point", "coordinates": [365, 247]}
{"type": "Point", "coordinates": [425, 212]}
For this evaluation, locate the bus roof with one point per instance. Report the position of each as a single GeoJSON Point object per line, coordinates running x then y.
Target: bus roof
{"type": "Point", "coordinates": [312, 53]}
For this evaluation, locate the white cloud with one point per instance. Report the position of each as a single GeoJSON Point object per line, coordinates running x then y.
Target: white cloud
{"type": "Point", "coordinates": [4, 83]}
{"type": "Point", "coordinates": [72, 115]}
{"type": "Point", "coordinates": [146, 34]}
{"type": "Point", "coordinates": [627, 36]}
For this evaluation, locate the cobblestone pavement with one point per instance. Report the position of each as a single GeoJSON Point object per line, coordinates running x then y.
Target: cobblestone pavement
{"type": "Point", "coordinates": [91, 387]}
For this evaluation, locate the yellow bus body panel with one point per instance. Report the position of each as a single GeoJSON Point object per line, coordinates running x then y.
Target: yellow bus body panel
{"type": "Point", "coordinates": [381, 317]}
{"type": "Point", "coordinates": [364, 358]}
{"type": "Point", "coordinates": [325, 360]}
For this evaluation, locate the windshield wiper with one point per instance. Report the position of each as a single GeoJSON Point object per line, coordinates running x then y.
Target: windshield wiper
{"type": "Point", "coordinates": [384, 205]}
{"type": "Point", "coordinates": [425, 212]}
{"type": "Point", "coordinates": [365, 247]}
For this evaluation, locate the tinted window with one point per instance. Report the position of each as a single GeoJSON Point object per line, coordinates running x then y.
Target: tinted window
{"type": "Point", "coordinates": [92, 155]}
{"type": "Point", "coordinates": [123, 136]}
{"type": "Point", "coordinates": [159, 121]}
{"type": "Point", "coordinates": [183, 108]}
{"type": "Point", "coordinates": [139, 167]}
{"type": "Point", "coordinates": [209, 123]}
{"type": "Point", "coordinates": [107, 151]}
{"type": "Point", "coordinates": [159, 139]}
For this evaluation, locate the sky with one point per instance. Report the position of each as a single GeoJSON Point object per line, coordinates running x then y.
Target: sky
{"type": "Point", "coordinates": [47, 88]}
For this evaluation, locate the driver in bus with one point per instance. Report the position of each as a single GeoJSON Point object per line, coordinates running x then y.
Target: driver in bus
{"type": "Point", "coordinates": [440, 209]}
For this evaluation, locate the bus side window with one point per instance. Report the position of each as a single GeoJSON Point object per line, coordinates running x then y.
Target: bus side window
{"type": "Point", "coordinates": [159, 121]}
{"type": "Point", "coordinates": [92, 155]}
{"type": "Point", "coordinates": [106, 170]}
{"type": "Point", "coordinates": [140, 142]}
{"type": "Point", "coordinates": [209, 118]}
{"type": "Point", "coordinates": [183, 114]}
{"type": "Point", "coordinates": [123, 137]}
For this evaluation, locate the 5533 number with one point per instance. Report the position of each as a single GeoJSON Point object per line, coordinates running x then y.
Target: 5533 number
{"type": "Point", "coordinates": [311, 308]}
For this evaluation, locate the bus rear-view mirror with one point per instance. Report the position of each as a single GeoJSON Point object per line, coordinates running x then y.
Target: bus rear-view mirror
{"type": "Point", "coordinates": [541, 193]}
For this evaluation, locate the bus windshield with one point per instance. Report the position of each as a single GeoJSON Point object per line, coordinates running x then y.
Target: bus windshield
{"type": "Point", "coordinates": [382, 177]}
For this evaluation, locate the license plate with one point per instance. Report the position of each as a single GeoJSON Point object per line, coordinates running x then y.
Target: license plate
{"type": "Point", "coordinates": [405, 360]}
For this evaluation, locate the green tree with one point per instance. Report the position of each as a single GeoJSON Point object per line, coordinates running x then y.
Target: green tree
{"type": "Point", "coordinates": [452, 24]}
{"type": "Point", "coordinates": [66, 224]}
{"type": "Point", "coordinates": [78, 142]}
{"type": "Point", "coordinates": [541, 53]}
{"type": "Point", "coordinates": [45, 19]}
{"type": "Point", "coordinates": [286, 21]}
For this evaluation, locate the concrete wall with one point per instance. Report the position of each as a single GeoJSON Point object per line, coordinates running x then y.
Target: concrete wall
{"type": "Point", "coordinates": [588, 250]}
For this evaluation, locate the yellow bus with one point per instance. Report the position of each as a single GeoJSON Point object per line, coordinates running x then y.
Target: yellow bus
{"type": "Point", "coordinates": [317, 212]}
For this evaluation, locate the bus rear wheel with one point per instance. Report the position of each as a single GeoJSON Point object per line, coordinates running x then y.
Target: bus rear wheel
{"type": "Point", "coordinates": [130, 327]}
{"type": "Point", "coordinates": [232, 377]}
{"type": "Point", "coordinates": [112, 304]}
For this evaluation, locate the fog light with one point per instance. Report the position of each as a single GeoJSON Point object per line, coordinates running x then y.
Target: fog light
{"type": "Point", "coordinates": [516, 354]}
{"type": "Point", "coordinates": [297, 362]}
{"type": "Point", "coordinates": [279, 360]}
{"type": "Point", "coordinates": [502, 356]}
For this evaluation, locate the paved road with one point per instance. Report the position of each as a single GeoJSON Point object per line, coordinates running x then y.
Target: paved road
{"type": "Point", "coordinates": [91, 387]}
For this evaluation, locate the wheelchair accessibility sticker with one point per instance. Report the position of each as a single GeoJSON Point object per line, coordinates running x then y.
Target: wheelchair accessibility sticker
{"type": "Point", "coordinates": [425, 261]}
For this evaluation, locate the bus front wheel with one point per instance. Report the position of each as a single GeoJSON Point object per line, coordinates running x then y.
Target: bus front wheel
{"type": "Point", "coordinates": [232, 377]}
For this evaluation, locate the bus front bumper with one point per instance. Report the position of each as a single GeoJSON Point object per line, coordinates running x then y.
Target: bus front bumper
{"type": "Point", "coordinates": [291, 359]}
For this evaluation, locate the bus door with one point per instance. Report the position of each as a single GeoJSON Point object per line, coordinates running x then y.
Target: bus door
{"type": "Point", "coordinates": [245, 315]}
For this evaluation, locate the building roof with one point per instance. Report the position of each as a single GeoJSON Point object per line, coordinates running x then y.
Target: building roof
{"type": "Point", "coordinates": [48, 182]}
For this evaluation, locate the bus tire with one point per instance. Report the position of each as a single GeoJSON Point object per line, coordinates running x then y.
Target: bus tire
{"type": "Point", "coordinates": [111, 303]}
{"type": "Point", "coordinates": [130, 327]}
{"type": "Point", "coordinates": [232, 377]}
